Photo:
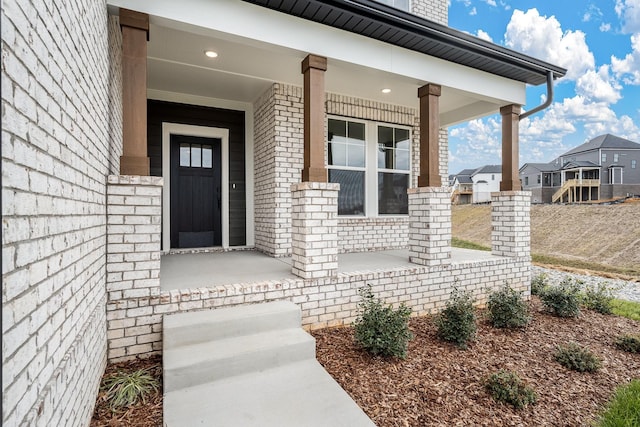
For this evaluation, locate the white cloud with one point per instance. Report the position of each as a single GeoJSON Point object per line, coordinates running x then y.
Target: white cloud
{"type": "Point", "coordinates": [605, 27]}
{"type": "Point", "coordinates": [491, 2]}
{"type": "Point", "coordinates": [542, 135]}
{"type": "Point", "coordinates": [599, 86]}
{"type": "Point", "coordinates": [473, 11]}
{"type": "Point", "coordinates": [628, 68]}
{"type": "Point", "coordinates": [629, 13]}
{"type": "Point", "coordinates": [484, 35]}
{"type": "Point", "coordinates": [543, 38]}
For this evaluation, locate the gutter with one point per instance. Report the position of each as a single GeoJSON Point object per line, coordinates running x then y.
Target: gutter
{"type": "Point", "coordinates": [546, 103]}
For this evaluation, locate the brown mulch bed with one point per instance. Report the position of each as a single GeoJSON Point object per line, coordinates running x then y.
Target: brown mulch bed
{"type": "Point", "coordinates": [148, 414]}
{"type": "Point", "coordinates": [441, 385]}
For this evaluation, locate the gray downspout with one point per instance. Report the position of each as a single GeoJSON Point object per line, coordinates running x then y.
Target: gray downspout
{"type": "Point", "coordinates": [547, 102]}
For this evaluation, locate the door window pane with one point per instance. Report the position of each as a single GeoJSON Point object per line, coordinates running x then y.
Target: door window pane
{"type": "Point", "coordinates": [351, 194]}
{"type": "Point", "coordinates": [185, 155]}
{"type": "Point", "coordinates": [196, 155]}
{"type": "Point", "coordinates": [392, 193]}
{"type": "Point", "coordinates": [207, 156]}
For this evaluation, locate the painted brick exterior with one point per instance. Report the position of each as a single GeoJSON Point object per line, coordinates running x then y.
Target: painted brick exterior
{"type": "Point", "coordinates": [134, 226]}
{"type": "Point", "coordinates": [434, 10]}
{"type": "Point", "coordinates": [279, 161]}
{"type": "Point", "coordinates": [511, 224]}
{"type": "Point", "coordinates": [314, 236]}
{"type": "Point", "coordinates": [61, 137]}
{"type": "Point", "coordinates": [332, 301]}
{"type": "Point", "coordinates": [429, 226]}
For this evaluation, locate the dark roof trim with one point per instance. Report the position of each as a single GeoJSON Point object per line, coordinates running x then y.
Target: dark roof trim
{"type": "Point", "coordinates": [387, 24]}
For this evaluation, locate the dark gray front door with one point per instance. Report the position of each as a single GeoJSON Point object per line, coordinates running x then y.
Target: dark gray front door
{"type": "Point", "coordinates": [195, 192]}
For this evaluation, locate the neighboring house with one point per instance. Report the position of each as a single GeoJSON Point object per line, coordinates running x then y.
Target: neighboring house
{"type": "Point", "coordinates": [133, 128]}
{"type": "Point", "coordinates": [603, 168]}
{"type": "Point", "coordinates": [476, 185]}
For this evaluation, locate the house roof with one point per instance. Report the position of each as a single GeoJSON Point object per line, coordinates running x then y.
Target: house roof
{"type": "Point", "coordinates": [542, 167]}
{"type": "Point", "coordinates": [464, 179]}
{"type": "Point", "coordinates": [580, 164]}
{"type": "Point", "coordinates": [604, 141]}
{"type": "Point", "coordinates": [390, 25]}
{"type": "Point", "coordinates": [488, 169]}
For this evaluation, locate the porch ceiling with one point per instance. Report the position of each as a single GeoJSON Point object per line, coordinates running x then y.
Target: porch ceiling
{"type": "Point", "coordinates": [245, 68]}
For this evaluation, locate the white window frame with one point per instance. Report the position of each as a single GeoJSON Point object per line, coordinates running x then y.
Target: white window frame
{"type": "Point", "coordinates": [633, 163]}
{"type": "Point", "coordinates": [371, 165]}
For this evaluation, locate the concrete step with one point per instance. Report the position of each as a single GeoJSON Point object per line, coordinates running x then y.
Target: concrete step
{"type": "Point", "coordinates": [190, 365]}
{"type": "Point", "coordinates": [202, 326]}
{"type": "Point", "coordinates": [298, 394]}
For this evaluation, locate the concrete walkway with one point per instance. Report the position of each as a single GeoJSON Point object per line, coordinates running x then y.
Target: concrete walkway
{"type": "Point", "coordinates": [250, 365]}
{"type": "Point", "coordinates": [198, 270]}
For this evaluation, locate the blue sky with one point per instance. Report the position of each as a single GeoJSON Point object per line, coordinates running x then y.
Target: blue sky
{"type": "Point", "coordinates": [599, 44]}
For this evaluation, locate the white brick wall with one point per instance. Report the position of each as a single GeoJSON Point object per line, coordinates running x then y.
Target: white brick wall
{"type": "Point", "coordinates": [278, 125]}
{"type": "Point", "coordinates": [314, 229]}
{"type": "Point", "coordinates": [332, 301]}
{"type": "Point", "coordinates": [61, 132]}
{"type": "Point", "coordinates": [511, 223]}
{"type": "Point", "coordinates": [279, 161]}
{"type": "Point", "coordinates": [429, 226]}
{"type": "Point", "coordinates": [434, 10]}
{"type": "Point", "coordinates": [134, 226]}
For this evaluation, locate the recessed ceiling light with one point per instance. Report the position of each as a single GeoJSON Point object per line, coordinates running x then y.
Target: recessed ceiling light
{"type": "Point", "coordinates": [211, 54]}
{"type": "Point", "coordinates": [386, 90]}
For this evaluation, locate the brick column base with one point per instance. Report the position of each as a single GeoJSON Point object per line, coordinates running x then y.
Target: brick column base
{"type": "Point", "coordinates": [510, 223]}
{"type": "Point", "coordinates": [429, 226]}
{"type": "Point", "coordinates": [134, 221]}
{"type": "Point", "coordinates": [314, 229]}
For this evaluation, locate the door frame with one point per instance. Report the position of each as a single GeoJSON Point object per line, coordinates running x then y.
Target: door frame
{"type": "Point", "coordinates": [169, 129]}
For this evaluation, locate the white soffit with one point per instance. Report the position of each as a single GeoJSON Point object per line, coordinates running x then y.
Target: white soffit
{"type": "Point", "coordinates": [258, 46]}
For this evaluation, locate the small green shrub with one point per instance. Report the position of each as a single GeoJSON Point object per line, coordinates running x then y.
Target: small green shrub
{"type": "Point", "coordinates": [538, 284]}
{"type": "Point", "coordinates": [577, 358]}
{"type": "Point", "coordinates": [124, 389]}
{"type": "Point", "coordinates": [624, 409]}
{"type": "Point", "coordinates": [508, 309]}
{"type": "Point", "coordinates": [629, 343]}
{"type": "Point", "coordinates": [381, 329]}
{"type": "Point", "coordinates": [598, 298]}
{"type": "Point", "coordinates": [505, 386]}
{"type": "Point", "coordinates": [457, 322]}
{"type": "Point", "coordinates": [563, 300]}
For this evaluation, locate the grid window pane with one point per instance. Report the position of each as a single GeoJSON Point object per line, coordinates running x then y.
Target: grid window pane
{"type": "Point", "coordinates": [196, 155]}
{"type": "Point", "coordinates": [185, 155]}
{"type": "Point", "coordinates": [351, 195]}
{"type": "Point", "coordinates": [392, 193]}
{"type": "Point", "coordinates": [207, 156]}
{"type": "Point", "coordinates": [356, 131]}
{"type": "Point", "coordinates": [402, 160]}
{"type": "Point", "coordinates": [355, 155]}
{"type": "Point", "coordinates": [337, 154]}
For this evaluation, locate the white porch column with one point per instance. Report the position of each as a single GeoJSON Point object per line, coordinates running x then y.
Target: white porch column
{"type": "Point", "coordinates": [314, 229]}
{"type": "Point", "coordinates": [429, 226]}
{"type": "Point", "coordinates": [510, 223]}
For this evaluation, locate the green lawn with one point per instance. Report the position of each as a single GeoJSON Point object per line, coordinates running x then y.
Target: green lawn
{"type": "Point", "coordinates": [624, 408]}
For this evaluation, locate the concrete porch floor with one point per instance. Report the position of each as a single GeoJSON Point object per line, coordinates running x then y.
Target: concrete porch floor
{"type": "Point", "coordinates": [198, 270]}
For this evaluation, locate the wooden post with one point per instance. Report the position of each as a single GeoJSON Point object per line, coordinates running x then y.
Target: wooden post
{"type": "Point", "coordinates": [135, 33]}
{"type": "Point", "coordinates": [510, 157]}
{"type": "Point", "coordinates": [429, 95]}
{"type": "Point", "coordinates": [313, 68]}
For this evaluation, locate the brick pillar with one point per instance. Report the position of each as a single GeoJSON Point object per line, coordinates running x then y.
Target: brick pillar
{"type": "Point", "coordinates": [429, 226]}
{"type": "Point", "coordinates": [134, 221]}
{"type": "Point", "coordinates": [510, 223]}
{"type": "Point", "coordinates": [314, 229]}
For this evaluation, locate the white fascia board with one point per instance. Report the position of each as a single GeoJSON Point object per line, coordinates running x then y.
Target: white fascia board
{"type": "Point", "coordinates": [249, 21]}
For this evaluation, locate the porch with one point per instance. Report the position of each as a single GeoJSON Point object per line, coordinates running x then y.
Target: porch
{"type": "Point", "coordinates": [215, 268]}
